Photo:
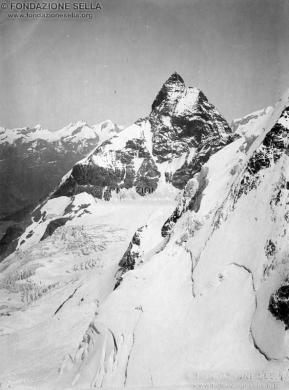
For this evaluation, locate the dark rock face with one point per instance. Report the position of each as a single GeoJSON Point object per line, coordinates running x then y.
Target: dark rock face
{"type": "Point", "coordinates": [147, 177]}
{"type": "Point", "coordinates": [9, 241]}
{"type": "Point", "coordinates": [275, 144]}
{"type": "Point", "coordinates": [270, 252]}
{"type": "Point", "coordinates": [101, 181]}
{"type": "Point", "coordinates": [182, 125]}
{"type": "Point", "coordinates": [172, 220]}
{"type": "Point", "coordinates": [190, 200]}
{"type": "Point", "coordinates": [169, 94]}
{"type": "Point", "coordinates": [21, 220]}
{"type": "Point", "coordinates": [202, 155]}
{"type": "Point", "coordinates": [279, 305]}
{"type": "Point", "coordinates": [270, 248]}
{"type": "Point", "coordinates": [52, 226]}
{"type": "Point", "coordinates": [131, 256]}
{"type": "Point", "coordinates": [14, 231]}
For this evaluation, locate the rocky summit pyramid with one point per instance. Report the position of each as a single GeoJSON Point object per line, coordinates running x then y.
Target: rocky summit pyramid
{"type": "Point", "coordinates": [161, 151]}
{"type": "Point", "coordinates": [160, 259]}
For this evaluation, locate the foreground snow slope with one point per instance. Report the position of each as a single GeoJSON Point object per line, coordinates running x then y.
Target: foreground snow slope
{"type": "Point", "coordinates": [50, 292]}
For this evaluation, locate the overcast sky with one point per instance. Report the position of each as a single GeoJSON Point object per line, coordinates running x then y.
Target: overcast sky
{"type": "Point", "coordinates": [54, 72]}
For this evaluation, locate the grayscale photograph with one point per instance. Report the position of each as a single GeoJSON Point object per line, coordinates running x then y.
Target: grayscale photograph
{"type": "Point", "coordinates": [144, 194]}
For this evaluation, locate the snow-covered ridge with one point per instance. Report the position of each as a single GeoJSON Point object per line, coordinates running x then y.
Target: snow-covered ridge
{"type": "Point", "coordinates": [250, 123]}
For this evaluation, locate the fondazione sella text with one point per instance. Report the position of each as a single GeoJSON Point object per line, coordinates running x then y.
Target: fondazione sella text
{"type": "Point", "coordinates": [61, 6]}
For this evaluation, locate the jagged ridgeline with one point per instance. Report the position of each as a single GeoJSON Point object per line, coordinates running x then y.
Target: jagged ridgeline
{"type": "Point", "coordinates": [169, 146]}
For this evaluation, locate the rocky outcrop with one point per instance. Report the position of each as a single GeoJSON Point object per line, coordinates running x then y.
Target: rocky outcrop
{"type": "Point", "coordinates": [169, 94]}
{"type": "Point", "coordinates": [190, 200]}
{"type": "Point", "coordinates": [147, 177]}
{"type": "Point", "coordinates": [14, 233]}
{"type": "Point", "coordinates": [274, 145]}
{"type": "Point", "coordinates": [9, 241]}
{"type": "Point", "coordinates": [52, 226]}
{"type": "Point", "coordinates": [131, 257]}
{"type": "Point", "coordinates": [279, 305]}
{"type": "Point", "coordinates": [120, 173]}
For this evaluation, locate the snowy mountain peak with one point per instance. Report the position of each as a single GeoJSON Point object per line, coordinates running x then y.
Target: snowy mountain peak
{"type": "Point", "coordinates": [175, 78]}
{"type": "Point", "coordinates": [107, 123]}
{"type": "Point", "coordinates": [159, 153]}
{"type": "Point", "coordinates": [80, 123]}
{"type": "Point", "coordinates": [69, 132]}
{"type": "Point", "coordinates": [169, 94]}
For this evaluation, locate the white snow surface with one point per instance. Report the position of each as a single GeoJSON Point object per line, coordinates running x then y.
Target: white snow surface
{"type": "Point", "coordinates": [253, 124]}
{"type": "Point", "coordinates": [79, 260]}
{"type": "Point", "coordinates": [187, 102]}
